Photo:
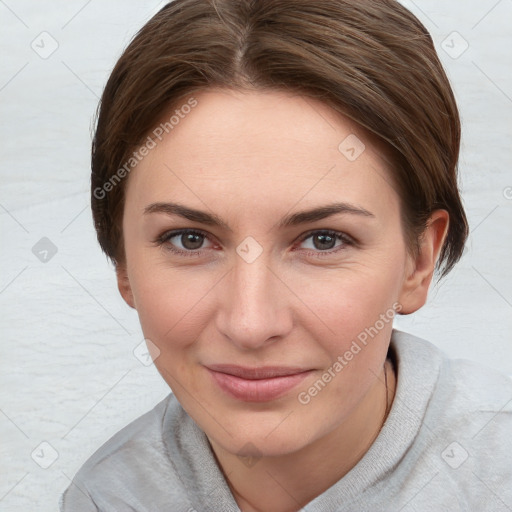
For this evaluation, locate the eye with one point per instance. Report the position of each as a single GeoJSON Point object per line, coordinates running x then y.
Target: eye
{"type": "Point", "coordinates": [325, 241]}
{"type": "Point", "coordinates": [185, 240]}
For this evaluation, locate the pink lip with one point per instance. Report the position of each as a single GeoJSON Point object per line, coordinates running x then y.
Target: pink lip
{"type": "Point", "coordinates": [257, 384]}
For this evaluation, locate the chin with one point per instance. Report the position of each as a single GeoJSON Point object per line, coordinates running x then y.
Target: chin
{"type": "Point", "coordinates": [264, 437]}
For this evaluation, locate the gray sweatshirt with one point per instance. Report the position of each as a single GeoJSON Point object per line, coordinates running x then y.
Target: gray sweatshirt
{"type": "Point", "coordinates": [445, 446]}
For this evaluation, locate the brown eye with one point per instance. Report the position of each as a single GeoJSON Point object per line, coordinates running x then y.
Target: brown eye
{"type": "Point", "coordinates": [192, 241]}
{"type": "Point", "coordinates": [185, 240]}
{"type": "Point", "coordinates": [324, 242]}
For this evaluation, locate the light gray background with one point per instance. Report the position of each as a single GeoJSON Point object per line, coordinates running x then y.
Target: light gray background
{"type": "Point", "coordinates": [68, 373]}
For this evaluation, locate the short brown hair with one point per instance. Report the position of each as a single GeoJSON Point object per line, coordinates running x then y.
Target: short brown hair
{"type": "Point", "coordinates": [371, 60]}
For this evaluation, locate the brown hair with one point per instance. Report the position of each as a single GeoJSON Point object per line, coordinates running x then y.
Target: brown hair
{"type": "Point", "coordinates": [371, 60]}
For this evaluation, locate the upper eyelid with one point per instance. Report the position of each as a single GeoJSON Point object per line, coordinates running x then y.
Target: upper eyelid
{"type": "Point", "coordinates": [307, 234]}
{"type": "Point", "coordinates": [345, 237]}
{"type": "Point", "coordinates": [171, 233]}
{"type": "Point", "coordinates": [175, 232]}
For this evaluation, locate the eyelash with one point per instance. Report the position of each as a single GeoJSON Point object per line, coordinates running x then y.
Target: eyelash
{"type": "Point", "coordinates": [164, 238]}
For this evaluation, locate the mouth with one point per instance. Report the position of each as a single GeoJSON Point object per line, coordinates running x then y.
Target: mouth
{"type": "Point", "coordinates": [261, 384]}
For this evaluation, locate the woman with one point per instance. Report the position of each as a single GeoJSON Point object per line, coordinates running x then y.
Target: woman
{"type": "Point", "coordinates": [274, 181]}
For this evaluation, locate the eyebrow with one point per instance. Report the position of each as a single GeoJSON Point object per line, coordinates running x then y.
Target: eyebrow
{"type": "Point", "coordinates": [209, 219]}
{"type": "Point", "coordinates": [322, 213]}
{"type": "Point", "coordinates": [294, 219]}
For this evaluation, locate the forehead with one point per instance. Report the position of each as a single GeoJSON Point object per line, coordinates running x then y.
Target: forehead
{"type": "Point", "coordinates": [254, 146]}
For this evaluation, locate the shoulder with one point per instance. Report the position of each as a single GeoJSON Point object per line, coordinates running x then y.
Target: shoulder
{"type": "Point", "coordinates": [473, 403]}
{"type": "Point", "coordinates": [143, 435]}
{"type": "Point", "coordinates": [459, 394]}
{"type": "Point", "coordinates": [471, 395]}
{"type": "Point", "coordinates": [464, 445]}
{"type": "Point", "coordinates": [127, 470]}
{"type": "Point", "coordinates": [462, 384]}
{"type": "Point", "coordinates": [477, 385]}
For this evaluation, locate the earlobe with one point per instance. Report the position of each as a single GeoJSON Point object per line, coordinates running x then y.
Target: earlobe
{"type": "Point", "coordinates": [419, 276]}
{"type": "Point", "coordinates": [123, 284]}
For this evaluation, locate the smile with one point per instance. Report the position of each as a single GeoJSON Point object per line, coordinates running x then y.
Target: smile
{"type": "Point", "coordinates": [257, 384]}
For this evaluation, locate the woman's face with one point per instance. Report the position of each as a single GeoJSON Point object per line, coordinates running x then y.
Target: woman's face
{"type": "Point", "coordinates": [263, 245]}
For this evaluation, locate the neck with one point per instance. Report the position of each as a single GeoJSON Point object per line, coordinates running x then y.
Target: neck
{"type": "Point", "coordinates": [291, 481]}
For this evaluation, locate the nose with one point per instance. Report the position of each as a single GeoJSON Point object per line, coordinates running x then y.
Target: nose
{"type": "Point", "coordinates": [253, 310]}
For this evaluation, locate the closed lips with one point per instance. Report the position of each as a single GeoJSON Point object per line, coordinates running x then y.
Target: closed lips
{"type": "Point", "coordinates": [256, 384]}
{"type": "Point", "coordinates": [264, 372]}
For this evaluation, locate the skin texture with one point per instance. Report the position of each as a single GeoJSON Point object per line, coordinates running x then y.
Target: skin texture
{"type": "Point", "coordinates": [251, 159]}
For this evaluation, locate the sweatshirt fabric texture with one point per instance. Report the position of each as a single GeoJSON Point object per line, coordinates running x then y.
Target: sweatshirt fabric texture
{"type": "Point", "coordinates": [446, 446]}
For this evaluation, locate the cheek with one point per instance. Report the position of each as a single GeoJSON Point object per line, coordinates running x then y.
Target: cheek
{"type": "Point", "coordinates": [357, 313]}
{"type": "Point", "coordinates": [348, 302]}
{"type": "Point", "coordinates": [174, 311]}
{"type": "Point", "coordinates": [173, 305]}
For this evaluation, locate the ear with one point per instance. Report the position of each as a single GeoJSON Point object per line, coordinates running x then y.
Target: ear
{"type": "Point", "coordinates": [421, 267]}
{"type": "Point", "coordinates": [123, 284]}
